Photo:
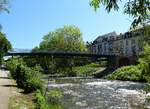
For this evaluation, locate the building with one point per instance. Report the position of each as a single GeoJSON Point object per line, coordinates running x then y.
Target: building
{"type": "Point", "coordinates": [127, 44]}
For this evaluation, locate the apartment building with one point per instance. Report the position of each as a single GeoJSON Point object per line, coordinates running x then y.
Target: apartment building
{"type": "Point", "coordinates": [127, 44]}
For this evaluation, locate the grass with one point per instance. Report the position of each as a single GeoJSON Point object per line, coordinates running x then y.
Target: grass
{"type": "Point", "coordinates": [86, 70]}
{"type": "Point", "coordinates": [56, 106]}
{"type": "Point", "coordinates": [21, 100]}
{"type": "Point", "coordinates": [53, 97]}
{"type": "Point", "coordinates": [51, 101]}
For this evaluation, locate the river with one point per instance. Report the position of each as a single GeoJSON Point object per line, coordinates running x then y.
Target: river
{"type": "Point", "coordinates": [100, 94]}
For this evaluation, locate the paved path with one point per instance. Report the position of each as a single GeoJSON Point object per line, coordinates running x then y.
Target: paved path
{"type": "Point", "coordinates": [5, 89]}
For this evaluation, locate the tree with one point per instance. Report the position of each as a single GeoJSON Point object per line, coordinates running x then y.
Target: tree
{"type": "Point", "coordinates": [4, 45]}
{"type": "Point", "coordinates": [65, 39]}
{"type": "Point", "coordinates": [138, 9]}
{"type": "Point", "coordinates": [145, 62]}
{"type": "Point", "coordinates": [4, 5]}
{"type": "Point", "coordinates": [68, 38]}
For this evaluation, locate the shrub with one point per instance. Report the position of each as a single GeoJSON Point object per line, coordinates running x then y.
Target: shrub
{"type": "Point", "coordinates": [145, 62]}
{"type": "Point", "coordinates": [54, 95]}
{"type": "Point", "coordinates": [41, 102]}
{"type": "Point", "coordinates": [127, 73]}
{"type": "Point", "coordinates": [12, 66]}
{"type": "Point", "coordinates": [147, 88]}
{"type": "Point", "coordinates": [4, 46]}
{"type": "Point", "coordinates": [27, 78]}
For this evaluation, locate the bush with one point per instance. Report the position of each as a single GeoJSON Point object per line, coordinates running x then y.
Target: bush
{"type": "Point", "coordinates": [12, 66]}
{"type": "Point", "coordinates": [53, 103]}
{"type": "Point", "coordinates": [4, 46]}
{"type": "Point", "coordinates": [145, 62]}
{"type": "Point", "coordinates": [127, 73]}
{"type": "Point", "coordinates": [54, 95]}
{"type": "Point", "coordinates": [27, 78]}
{"type": "Point", "coordinates": [41, 102]}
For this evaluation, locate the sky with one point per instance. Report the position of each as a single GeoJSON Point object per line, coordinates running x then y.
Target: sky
{"type": "Point", "coordinates": [29, 20]}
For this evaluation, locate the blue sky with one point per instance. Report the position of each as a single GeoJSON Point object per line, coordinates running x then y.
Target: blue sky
{"type": "Point", "coordinates": [29, 20]}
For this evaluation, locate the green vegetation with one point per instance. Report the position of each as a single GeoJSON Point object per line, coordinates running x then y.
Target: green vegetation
{"type": "Point", "coordinates": [65, 39]}
{"type": "Point", "coordinates": [54, 95]}
{"type": "Point", "coordinates": [53, 99]}
{"type": "Point", "coordinates": [4, 5]}
{"type": "Point", "coordinates": [27, 71]}
{"type": "Point", "coordinates": [41, 102]}
{"type": "Point", "coordinates": [86, 70]}
{"type": "Point", "coordinates": [147, 88]}
{"type": "Point", "coordinates": [140, 72]}
{"type": "Point", "coordinates": [22, 101]}
{"type": "Point", "coordinates": [27, 78]}
{"type": "Point", "coordinates": [4, 46]}
{"type": "Point", "coordinates": [138, 9]}
{"type": "Point", "coordinates": [145, 62]}
{"type": "Point", "coordinates": [52, 102]}
{"type": "Point", "coordinates": [127, 73]}
{"type": "Point", "coordinates": [68, 38]}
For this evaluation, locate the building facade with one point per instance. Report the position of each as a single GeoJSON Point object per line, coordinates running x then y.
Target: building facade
{"type": "Point", "coordinates": [127, 44]}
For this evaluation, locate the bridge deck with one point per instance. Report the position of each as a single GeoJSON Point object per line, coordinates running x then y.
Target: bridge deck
{"type": "Point", "coordinates": [82, 54]}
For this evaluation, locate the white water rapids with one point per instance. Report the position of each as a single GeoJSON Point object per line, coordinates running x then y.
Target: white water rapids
{"type": "Point", "coordinates": [101, 94]}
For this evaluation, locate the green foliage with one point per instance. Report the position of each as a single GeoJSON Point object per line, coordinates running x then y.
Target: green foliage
{"type": "Point", "coordinates": [41, 102]}
{"type": "Point", "coordinates": [27, 78]}
{"type": "Point", "coordinates": [56, 106]}
{"type": "Point", "coordinates": [4, 5]}
{"type": "Point", "coordinates": [65, 39]}
{"type": "Point", "coordinates": [145, 62]}
{"type": "Point", "coordinates": [138, 9]}
{"type": "Point", "coordinates": [4, 45]}
{"type": "Point", "coordinates": [147, 88]}
{"type": "Point", "coordinates": [86, 70]}
{"type": "Point", "coordinates": [141, 72]}
{"type": "Point", "coordinates": [12, 66]}
{"type": "Point", "coordinates": [53, 99]}
{"type": "Point", "coordinates": [127, 73]}
{"type": "Point", "coordinates": [54, 95]}
{"type": "Point", "coordinates": [110, 4]}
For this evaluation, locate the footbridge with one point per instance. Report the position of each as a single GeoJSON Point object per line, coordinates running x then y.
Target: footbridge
{"type": "Point", "coordinates": [112, 60]}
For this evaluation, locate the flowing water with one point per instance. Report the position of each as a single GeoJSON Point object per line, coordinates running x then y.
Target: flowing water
{"type": "Point", "coordinates": [100, 94]}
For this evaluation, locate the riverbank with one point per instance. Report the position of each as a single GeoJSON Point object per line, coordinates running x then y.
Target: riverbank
{"type": "Point", "coordinates": [12, 97]}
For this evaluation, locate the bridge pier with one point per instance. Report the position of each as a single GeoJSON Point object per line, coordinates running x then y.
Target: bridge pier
{"type": "Point", "coordinates": [112, 62]}
{"type": "Point", "coordinates": [119, 61]}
